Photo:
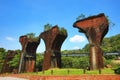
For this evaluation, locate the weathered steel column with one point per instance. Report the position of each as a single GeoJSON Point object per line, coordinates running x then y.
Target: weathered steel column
{"type": "Point", "coordinates": [6, 67]}
{"type": "Point", "coordinates": [53, 39]}
{"type": "Point", "coordinates": [95, 28]}
{"type": "Point", "coordinates": [28, 55]}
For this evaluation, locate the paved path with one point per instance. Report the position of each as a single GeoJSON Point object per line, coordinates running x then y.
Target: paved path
{"type": "Point", "coordinates": [11, 78]}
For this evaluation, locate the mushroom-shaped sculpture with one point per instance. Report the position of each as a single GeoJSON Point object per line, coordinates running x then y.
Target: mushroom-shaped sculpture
{"type": "Point", "coordinates": [53, 39]}
{"type": "Point", "coordinates": [95, 28]}
{"type": "Point", "coordinates": [28, 55]}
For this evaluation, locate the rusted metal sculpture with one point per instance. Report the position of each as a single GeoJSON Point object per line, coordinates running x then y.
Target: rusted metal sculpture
{"type": "Point", "coordinates": [6, 68]}
{"type": "Point", "coordinates": [28, 55]}
{"type": "Point", "coordinates": [53, 39]}
{"type": "Point", "coordinates": [95, 28]}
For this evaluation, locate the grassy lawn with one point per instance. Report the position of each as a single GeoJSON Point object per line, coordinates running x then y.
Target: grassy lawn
{"type": "Point", "coordinates": [64, 72]}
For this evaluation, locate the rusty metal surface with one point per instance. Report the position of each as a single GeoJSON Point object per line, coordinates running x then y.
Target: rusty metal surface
{"type": "Point", "coordinates": [28, 55]}
{"type": "Point", "coordinates": [53, 42]}
{"type": "Point", "coordinates": [95, 28]}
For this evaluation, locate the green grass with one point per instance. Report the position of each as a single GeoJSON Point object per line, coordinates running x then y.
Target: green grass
{"type": "Point", "coordinates": [64, 72]}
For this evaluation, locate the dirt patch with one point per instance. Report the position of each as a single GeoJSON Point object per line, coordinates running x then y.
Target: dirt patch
{"type": "Point", "coordinates": [116, 61]}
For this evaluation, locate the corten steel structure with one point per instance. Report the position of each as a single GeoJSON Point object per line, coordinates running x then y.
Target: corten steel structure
{"type": "Point", "coordinates": [53, 39]}
{"type": "Point", "coordinates": [6, 67]}
{"type": "Point", "coordinates": [95, 28]}
{"type": "Point", "coordinates": [28, 55]}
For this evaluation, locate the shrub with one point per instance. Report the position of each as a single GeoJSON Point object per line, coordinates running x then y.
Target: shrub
{"type": "Point", "coordinates": [117, 71]}
{"type": "Point", "coordinates": [75, 62]}
{"type": "Point", "coordinates": [110, 57]}
{"type": "Point", "coordinates": [67, 62]}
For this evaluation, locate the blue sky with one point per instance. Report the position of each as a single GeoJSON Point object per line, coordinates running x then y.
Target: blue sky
{"type": "Point", "coordinates": [19, 17]}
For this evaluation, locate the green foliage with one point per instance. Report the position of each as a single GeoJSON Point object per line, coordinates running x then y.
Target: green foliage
{"type": "Point", "coordinates": [39, 62]}
{"type": "Point", "coordinates": [106, 62]}
{"type": "Point", "coordinates": [117, 71]}
{"type": "Point", "coordinates": [15, 61]}
{"type": "Point", "coordinates": [86, 48]}
{"type": "Point", "coordinates": [111, 24]}
{"type": "Point", "coordinates": [82, 62]}
{"type": "Point", "coordinates": [32, 37]}
{"type": "Point", "coordinates": [110, 62]}
{"type": "Point", "coordinates": [81, 16]}
{"type": "Point", "coordinates": [63, 31]}
{"type": "Point", "coordinates": [75, 62]}
{"type": "Point", "coordinates": [71, 71]}
{"type": "Point", "coordinates": [111, 44]}
{"type": "Point", "coordinates": [67, 62]}
{"type": "Point", "coordinates": [47, 27]}
{"type": "Point", "coordinates": [110, 57]}
{"type": "Point", "coordinates": [76, 51]}
{"type": "Point", "coordinates": [3, 54]}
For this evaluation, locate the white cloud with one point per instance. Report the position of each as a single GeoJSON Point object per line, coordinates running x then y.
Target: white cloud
{"type": "Point", "coordinates": [10, 38]}
{"type": "Point", "coordinates": [76, 47]}
{"type": "Point", "coordinates": [77, 39]}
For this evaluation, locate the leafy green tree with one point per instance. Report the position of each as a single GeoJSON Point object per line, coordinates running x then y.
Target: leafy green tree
{"type": "Point", "coordinates": [86, 48]}
{"type": "Point", "coordinates": [111, 44]}
{"type": "Point", "coordinates": [3, 54]}
{"type": "Point", "coordinates": [39, 62]}
{"type": "Point", "coordinates": [15, 61]}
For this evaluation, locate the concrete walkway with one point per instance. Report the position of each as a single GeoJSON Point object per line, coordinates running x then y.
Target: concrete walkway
{"type": "Point", "coordinates": [11, 78]}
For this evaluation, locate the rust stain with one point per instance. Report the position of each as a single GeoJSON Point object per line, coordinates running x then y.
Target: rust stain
{"type": "Point", "coordinates": [95, 28]}
{"type": "Point", "coordinates": [53, 41]}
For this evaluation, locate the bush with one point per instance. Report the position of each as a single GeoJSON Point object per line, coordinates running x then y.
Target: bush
{"type": "Point", "coordinates": [75, 62]}
{"type": "Point", "coordinates": [110, 57]}
{"type": "Point", "coordinates": [81, 62]}
{"type": "Point", "coordinates": [39, 62]}
{"type": "Point", "coordinates": [117, 71]}
{"type": "Point", "coordinates": [67, 62]}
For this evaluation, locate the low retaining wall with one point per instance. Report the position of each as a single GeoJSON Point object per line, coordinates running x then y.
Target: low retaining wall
{"type": "Point", "coordinates": [69, 77]}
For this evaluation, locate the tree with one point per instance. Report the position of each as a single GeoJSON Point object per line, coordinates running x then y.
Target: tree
{"type": "Point", "coordinates": [111, 44]}
{"type": "Point", "coordinates": [39, 62]}
{"type": "Point", "coordinates": [86, 48]}
{"type": "Point", "coordinates": [3, 54]}
{"type": "Point", "coordinates": [15, 61]}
